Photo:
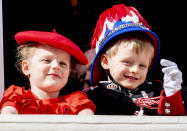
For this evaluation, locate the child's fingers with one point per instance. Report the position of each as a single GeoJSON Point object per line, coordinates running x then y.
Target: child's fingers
{"type": "Point", "coordinates": [170, 69]}
{"type": "Point", "coordinates": [165, 62]}
{"type": "Point", "coordinates": [173, 78]}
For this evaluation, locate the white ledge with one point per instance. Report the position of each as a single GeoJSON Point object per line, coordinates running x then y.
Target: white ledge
{"type": "Point", "coordinates": [91, 123]}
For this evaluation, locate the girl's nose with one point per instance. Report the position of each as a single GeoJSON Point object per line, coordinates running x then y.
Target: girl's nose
{"type": "Point", "coordinates": [55, 65]}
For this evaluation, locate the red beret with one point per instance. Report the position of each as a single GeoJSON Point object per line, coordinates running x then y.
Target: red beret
{"type": "Point", "coordinates": [52, 39]}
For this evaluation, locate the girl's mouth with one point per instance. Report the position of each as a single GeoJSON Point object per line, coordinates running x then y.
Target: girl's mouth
{"type": "Point", "coordinates": [56, 75]}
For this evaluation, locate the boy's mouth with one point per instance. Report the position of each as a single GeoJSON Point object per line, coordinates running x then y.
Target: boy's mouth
{"type": "Point", "coordinates": [131, 77]}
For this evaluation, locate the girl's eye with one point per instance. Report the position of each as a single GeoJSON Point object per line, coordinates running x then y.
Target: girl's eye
{"type": "Point", "coordinates": [46, 60]}
{"type": "Point", "coordinates": [62, 64]}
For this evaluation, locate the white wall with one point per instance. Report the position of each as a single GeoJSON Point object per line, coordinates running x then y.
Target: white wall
{"type": "Point", "coordinates": [1, 53]}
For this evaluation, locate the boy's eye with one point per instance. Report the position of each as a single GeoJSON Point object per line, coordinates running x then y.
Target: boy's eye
{"type": "Point", "coordinates": [127, 62]}
{"type": "Point", "coordinates": [142, 66]}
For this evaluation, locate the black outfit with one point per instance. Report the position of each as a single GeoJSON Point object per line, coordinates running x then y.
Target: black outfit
{"type": "Point", "coordinates": [119, 101]}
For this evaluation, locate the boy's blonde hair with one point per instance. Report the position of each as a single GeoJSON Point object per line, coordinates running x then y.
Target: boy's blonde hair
{"type": "Point", "coordinates": [139, 41]}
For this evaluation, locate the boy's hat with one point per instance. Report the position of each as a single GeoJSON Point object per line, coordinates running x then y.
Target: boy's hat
{"type": "Point", "coordinates": [52, 39]}
{"type": "Point", "coordinates": [119, 19]}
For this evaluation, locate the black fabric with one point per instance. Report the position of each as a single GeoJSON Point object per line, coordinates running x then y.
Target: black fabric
{"type": "Point", "coordinates": [115, 102]}
{"type": "Point", "coordinates": [184, 96]}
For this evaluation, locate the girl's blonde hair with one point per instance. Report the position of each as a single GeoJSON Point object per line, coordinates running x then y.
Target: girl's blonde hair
{"type": "Point", "coordinates": [139, 41]}
{"type": "Point", "coordinates": [26, 51]}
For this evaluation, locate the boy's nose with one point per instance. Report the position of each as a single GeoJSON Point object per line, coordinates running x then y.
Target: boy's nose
{"type": "Point", "coordinates": [134, 69]}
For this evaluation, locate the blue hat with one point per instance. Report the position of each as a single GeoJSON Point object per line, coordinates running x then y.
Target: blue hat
{"type": "Point", "coordinates": [119, 19]}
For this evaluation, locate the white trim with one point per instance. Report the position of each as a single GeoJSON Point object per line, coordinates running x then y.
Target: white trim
{"type": "Point", "coordinates": [1, 53]}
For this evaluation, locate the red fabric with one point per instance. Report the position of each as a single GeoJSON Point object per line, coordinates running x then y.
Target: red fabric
{"type": "Point", "coordinates": [53, 39]}
{"type": "Point", "coordinates": [114, 13]}
{"type": "Point", "coordinates": [176, 104]}
{"type": "Point", "coordinates": [26, 103]}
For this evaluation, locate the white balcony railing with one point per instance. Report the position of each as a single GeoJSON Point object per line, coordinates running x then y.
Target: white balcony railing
{"type": "Point", "coordinates": [91, 123]}
{"type": "Point", "coordinates": [83, 123]}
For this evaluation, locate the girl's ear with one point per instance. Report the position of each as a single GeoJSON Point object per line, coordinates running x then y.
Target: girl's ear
{"type": "Point", "coordinates": [25, 67]}
{"type": "Point", "coordinates": [104, 61]}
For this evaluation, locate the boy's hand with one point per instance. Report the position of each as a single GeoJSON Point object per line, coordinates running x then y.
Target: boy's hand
{"type": "Point", "coordinates": [172, 77]}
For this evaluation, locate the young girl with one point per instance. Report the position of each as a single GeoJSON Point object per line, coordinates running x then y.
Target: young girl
{"type": "Point", "coordinates": [46, 58]}
{"type": "Point", "coordinates": [126, 53]}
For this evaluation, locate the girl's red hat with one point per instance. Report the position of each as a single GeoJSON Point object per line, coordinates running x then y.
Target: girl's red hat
{"type": "Point", "coordinates": [52, 39]}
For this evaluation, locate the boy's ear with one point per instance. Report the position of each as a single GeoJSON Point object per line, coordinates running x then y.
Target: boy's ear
{"type": "Point", "coordinates": [25, 67]}
{"type": "Point", "coordinates": [104, 61]}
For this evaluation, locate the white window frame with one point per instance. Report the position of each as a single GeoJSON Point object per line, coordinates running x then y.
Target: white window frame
{"type": "Point", "coordinates": [1, 53]}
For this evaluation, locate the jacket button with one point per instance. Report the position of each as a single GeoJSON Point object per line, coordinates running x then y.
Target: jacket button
{"type": "Point", "coordinates": [167, 111]}
{"type": "Point", "coordinates": [167, 105]}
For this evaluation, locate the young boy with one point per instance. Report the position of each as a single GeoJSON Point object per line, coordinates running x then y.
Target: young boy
{"type": "Point", "coordinates": [46, 58]}
{"type": "Point", "coordinates": [126, 53]}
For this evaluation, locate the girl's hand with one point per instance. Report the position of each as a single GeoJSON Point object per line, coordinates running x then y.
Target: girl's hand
{"type": "Point", "coordinates": [86, 112]}
{"type": "Point", "coordinates": [9, 110]}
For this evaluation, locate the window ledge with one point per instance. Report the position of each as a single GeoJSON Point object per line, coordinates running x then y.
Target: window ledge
{"type": "Point", "coordinates": [100, 122]}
